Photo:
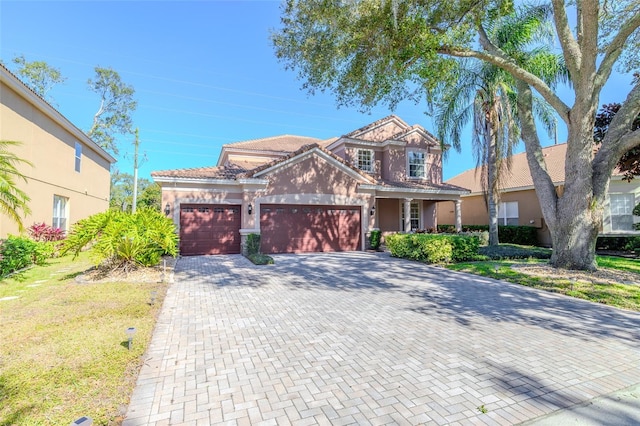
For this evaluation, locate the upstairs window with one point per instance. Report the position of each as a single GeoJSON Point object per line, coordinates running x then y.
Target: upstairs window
{"type": "Point", "coordinates": [621, 209]}
{"type": "Point", "coordinates": [365, 160]}
{"type": "Point", "coordinates": [508, 213]}
{"type": "Point", "coordinates": [78, 156]}
{"type": "Point", "coordinates": [417, 164]}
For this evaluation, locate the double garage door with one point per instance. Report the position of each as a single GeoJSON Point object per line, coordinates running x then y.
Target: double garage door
{"type": "Point", "coordinates": [309, 228]}
{"type": "Point", "coordinates": [215, 228]}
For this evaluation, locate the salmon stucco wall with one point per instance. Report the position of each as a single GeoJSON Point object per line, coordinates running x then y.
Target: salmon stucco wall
{"type": "Point", "coordinates": [51, 148]}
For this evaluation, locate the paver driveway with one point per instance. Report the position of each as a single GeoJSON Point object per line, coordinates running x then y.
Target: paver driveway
{"type": "Point", "coordinates": [368, 339]}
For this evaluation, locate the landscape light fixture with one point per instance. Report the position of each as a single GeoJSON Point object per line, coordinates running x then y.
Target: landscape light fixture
{"type": "Point", "coordinates": [130, 333]}
{"type": "Point", "coordinates": [250, 210]}
{"type": "Point", "coordinates": [167, 209]}
{"type": "Point", "coordinates": [83, 421]}
{"type": "Point", "coordinates": [154, 294]}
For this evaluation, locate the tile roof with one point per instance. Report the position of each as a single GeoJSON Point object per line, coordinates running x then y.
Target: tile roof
{"type": "Point", "coordinates": [230, 171]}
{"type": "Point", "coordinates": [282, 143]}
{"type": "Point", "coordinates": [519, 175]}
{"type": "Point", "coordinates": [421, 185]}
{"type": "Point", "coordinates": [375, 124]}
{"type": "Point", "coordinates": [251, 173]}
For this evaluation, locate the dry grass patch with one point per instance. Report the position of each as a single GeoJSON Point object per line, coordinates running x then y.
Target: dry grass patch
{"type": "Point", "coordinates": [63, 350]}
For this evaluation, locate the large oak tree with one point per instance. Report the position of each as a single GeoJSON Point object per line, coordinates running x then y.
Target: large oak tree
{"type": "Point", "coordinates": [372, 51]}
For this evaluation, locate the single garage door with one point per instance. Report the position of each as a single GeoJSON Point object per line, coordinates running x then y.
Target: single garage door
{"type": "Point", "coordinates": [305, 228]}
{"type": "Point", "coordinates": [209, 229]}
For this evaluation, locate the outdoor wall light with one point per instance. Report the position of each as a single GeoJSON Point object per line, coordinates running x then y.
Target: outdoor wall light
{"type": "Point", "coordinates": [167, 209]}
{"type": "Point", "coordinates": [373, 211]}
{"type": "Point", "coordinates": [250, 208]}
{"type": "Point", "coordinates": [131, 331]}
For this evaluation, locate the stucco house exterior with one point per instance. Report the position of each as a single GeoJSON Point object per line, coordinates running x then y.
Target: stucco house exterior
{"type": "Point", "coordinates": [520, 206]}
{"type": "Point", "coordinates": [303, 194]}
{"type": "Point", "coordinates": [70, 176]}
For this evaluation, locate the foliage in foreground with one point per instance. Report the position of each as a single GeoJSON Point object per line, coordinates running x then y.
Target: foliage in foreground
{"type": "Point", "coordinates": [433, 248]}
{"type": "Point", "coordinates": [513, 251]}
{"type": "Point", "coordinates": [63, 345]}
{"type": "Point", "coordinates": [119, 239]}
{"type": "Point", "coordinates": [253, 251]}
{"type": "Point", "coordinates": [19, 252]}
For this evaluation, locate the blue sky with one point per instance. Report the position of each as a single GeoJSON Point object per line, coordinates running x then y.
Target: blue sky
{"type": "Point", "coordinates": [204, 72]}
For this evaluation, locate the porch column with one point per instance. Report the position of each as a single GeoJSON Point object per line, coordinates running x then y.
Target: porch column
{"type": "Point", "coordinates": [407, 214]}
{"type": "Point", "coordinates": [458, 215]}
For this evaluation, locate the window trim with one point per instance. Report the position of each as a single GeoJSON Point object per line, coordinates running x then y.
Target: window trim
{"type": "Point", "coordinates": [425, 154]}
{"type": "Point", "coordinates": [56, 220]}
{"type": "Point", "coordinates": [372, 159]}
{"type": "Point", "coordinates": [503, 219]}
{"type": "Point", "coordinates": [630, 195]}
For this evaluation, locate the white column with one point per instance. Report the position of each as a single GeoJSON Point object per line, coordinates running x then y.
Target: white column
{"type": "Point", "coordinates": [458, 215]}
{"type": "Point", "coordinates": [407, 214]}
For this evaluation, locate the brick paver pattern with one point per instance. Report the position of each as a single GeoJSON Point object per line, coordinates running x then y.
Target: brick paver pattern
{"type": "Point", "coordinates": [363, 338]}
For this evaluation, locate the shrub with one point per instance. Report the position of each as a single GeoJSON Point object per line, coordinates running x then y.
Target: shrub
{"type": "Point", "coordinates": [374, 239]}
{"type": "Point", "coordinates": [433, 248]}
{"type": "Point", "coordinates": [122, 239]}
{"type": "Point", "coordinates": [253, 244]}
{"type": "Point", "coordinates": [512, 251]}
{"type": "Point", "coordinates": [260, 259]}
{"type": "Point", "coordinates": [19, 252]}
{"type": "Point", "coordinates": [619, 243]}
{"type": "Point", "coordinates": [44, 232]}
{"type": "Point", "coordinates": [508, 234]}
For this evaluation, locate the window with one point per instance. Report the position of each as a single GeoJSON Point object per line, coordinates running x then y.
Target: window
{"type": "Point", "coordinates": [415, 216]}
{"type": "Point", "coordinates": [621, 208]}
{"type": "Point", "coordinates": [417, 164]}
{"type": "Point", "coordinates": [78, 156]}
{"type": "Point", "coordinates": [60, 212]}
{"type": "Point", "coordinates": [365, 160]}
{"type": "Point", "coordinates": [508, 213]}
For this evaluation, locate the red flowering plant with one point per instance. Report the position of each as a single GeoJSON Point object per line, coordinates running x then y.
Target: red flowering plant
{"type": "Point", "coordinates": [44, 232]}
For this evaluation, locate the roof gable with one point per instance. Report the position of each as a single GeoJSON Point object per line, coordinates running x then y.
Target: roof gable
{"type": "Point", "coordinates": [380, 130]}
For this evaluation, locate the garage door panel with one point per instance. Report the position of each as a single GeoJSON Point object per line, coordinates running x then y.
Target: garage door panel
{"type": "Point", "coordinates": [209, 229]}
{"type": "Point", "coordinates": [304, 228]}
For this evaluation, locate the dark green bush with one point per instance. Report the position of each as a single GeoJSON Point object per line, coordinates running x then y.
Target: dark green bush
{"type": "Point", "coordinates": [260, 259]}
{"type": "Point", "coordinates": [374, 239]}
{"type": "Point", "coordinates": [433, 248]}
{"type": "Point", "coordinates": [513, 251]}
{"type": "Point", "coordinates": [619, 243]}
{"type": "Point", "coordinates": [122, 239]}
{"type": "Point", "coordinates": [253, 244]}
{"type": "Point", "coordinates": [19, 252]}
{"type": "Point", "coordinates": [508, 234]}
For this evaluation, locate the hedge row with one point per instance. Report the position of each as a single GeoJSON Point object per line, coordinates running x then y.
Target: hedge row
{"type": "Point", "coordinates": [19, 252]}
{"type": "Point", "coordinates": [508, 234]}
{"type": "Point", "coordinates": [433, 248]}
{"type": "Point", "coordinates": [621, 243]}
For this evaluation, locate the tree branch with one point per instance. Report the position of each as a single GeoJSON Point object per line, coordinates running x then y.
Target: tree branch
{"type": "Point", "coordinates": [499, 59]}
{"type": "Point", "coordinates": [614, 50]}
{"type": "Point", "coordinates": [570, 48]}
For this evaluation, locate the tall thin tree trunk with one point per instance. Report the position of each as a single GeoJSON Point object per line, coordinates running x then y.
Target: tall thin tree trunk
{"type": "Point", "coordinates": [492, 172]}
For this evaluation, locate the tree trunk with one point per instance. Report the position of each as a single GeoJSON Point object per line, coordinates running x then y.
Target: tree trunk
{"type": "Point", "coordinates": [492, 191]}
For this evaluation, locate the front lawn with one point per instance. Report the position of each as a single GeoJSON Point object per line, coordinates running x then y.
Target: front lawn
{"type": "Point", "coordinates": [617, 283]}
{"type": "Point", "coordinates": [63, 347]}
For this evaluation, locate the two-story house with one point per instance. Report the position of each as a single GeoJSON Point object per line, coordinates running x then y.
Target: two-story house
{"type": "Point", "coordinates": [304, 194]}
{"type": "Point", "coordinates": [69, 175]}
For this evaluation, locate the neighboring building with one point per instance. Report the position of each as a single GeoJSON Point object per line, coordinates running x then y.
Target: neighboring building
{"type": "Point", "coordinates": [519, 203]}
{"type": "Point", "coordinates": [303, 194]}
{"type": "Point", "coordinates": [70, 177]}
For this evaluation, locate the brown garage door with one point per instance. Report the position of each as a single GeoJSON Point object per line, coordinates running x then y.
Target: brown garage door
{"type": "Point", "coordinates": [209, 229]}
{"type": "Point", "coordinates": [304, 228]}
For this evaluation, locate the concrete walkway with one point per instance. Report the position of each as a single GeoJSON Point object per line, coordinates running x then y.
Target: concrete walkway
{"type": "Point", "coordinates": [359, 338]}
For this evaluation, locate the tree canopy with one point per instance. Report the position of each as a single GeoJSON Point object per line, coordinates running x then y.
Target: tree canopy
{"type": "Point", "coordinates": [116, 107]}
{"type": "Point", "coordinates": [368, 52]}
{"type": "Point", "coordinates": [38, 75]}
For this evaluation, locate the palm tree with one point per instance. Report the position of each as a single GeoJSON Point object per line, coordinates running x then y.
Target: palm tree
{"type": "Point", "coordinates": [485, 95]}
{"type": "Point", "coordinates": [12, 199]}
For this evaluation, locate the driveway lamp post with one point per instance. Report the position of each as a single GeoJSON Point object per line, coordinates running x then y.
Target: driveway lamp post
{"type": "Point", "coordinates": [130, 332]}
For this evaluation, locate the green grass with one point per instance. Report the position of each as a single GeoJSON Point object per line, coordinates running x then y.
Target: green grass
{"type": "Point", "coordinates": [63, 348]}
{"type": "Point", "coordinates": [621, 295]}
